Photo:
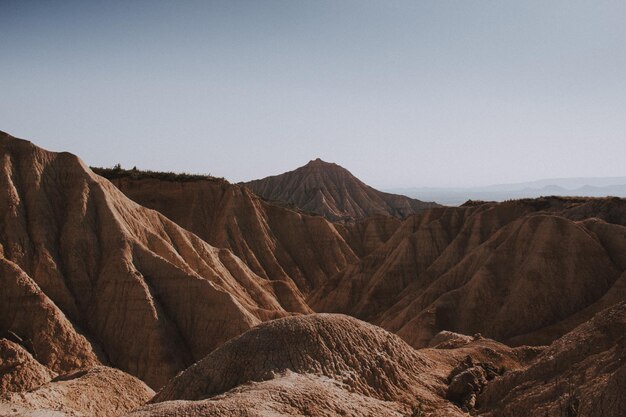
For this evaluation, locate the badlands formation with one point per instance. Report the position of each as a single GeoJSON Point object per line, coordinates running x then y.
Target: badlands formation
{"type": "Point", "coordinates": [120, 285]}
{"type": "Point", "coordinates": [332, 191]}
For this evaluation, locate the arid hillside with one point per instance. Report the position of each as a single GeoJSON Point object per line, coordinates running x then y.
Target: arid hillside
{"type": "Point", "coordinates": [99, 392]}
{"type": "Point", "coordinates": [522, 272]}
{"type": "Point", "coordinates": [276, 242]}
{"type": "Point", "coordinates": [470, 269]}
{"type": "Point", "coordinates": [111, 288]}
{"type": "Point", "coordinates": [337, 365]}
{"type": "Point", "coordinates": [90, 277]}
{"type": "Point", "coordinates": [332, 191]}
{"type": "Point", "coordinates": [323, 365]}
{"type": "Point", "coordinates": [581, 374]}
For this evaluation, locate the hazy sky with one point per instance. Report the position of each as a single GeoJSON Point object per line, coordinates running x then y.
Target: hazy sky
{"type": "Point", "coordinates": [402, 93]}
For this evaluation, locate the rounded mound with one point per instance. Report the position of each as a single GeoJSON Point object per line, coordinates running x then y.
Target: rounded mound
{"type": "Point", "coordinates": [19, 371]}
{"type": "Point", "coordinates": [366, 358]}
{"type": "Point", "coordinates": [289, 395]}
{"type": "Point", "coordinates": [98, 391]}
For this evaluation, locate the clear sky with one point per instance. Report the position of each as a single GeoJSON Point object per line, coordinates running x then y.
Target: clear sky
{"type": "Point", "coordinates": [402, 93]}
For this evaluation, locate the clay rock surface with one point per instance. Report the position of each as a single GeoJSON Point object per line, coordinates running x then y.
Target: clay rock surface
{"type": "Point", "coordinates": [91, 277]}
{"type": "Point", "coordinates": [348, 354]}
{"type": "Point", "coordinates": [333, 192]}
{"type": "Point", "coordinates": [19, 371]}
{"type": "Point", "coordinates": [297, 250]}
{"type": "Point", "coordinates": [581, 374]}
{"type": "Point", "coordinates": [522, 272]}
{"type": "Point", "coordinates": [27, 312]}
{"type": "Point", "coordinates": [291, 394]}
{"type": "Point", "coordinates": [449, 340]}
{"type": "Point", "coordinates": [366, 235]}
{"type": "Point", "coordinates": [323, 365]}
{"type": "Point", "coordinates": [99, 391]}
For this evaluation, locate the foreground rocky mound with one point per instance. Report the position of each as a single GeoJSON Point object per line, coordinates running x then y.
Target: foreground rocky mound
{"type": "Point", "coordinates": [326, 364]}
{"type": "Point", "coordinates": [522, 272]}
{"type": "Point", "coordinates": [581, 374]}
{"type": "Point", "coordinates": [335, 346]}
{"type": "Point", "coordinates": [336, 365]}
{"type": "Point", "coordinates": [90, 277]}
{"type": "Point", "coordinates": [99, 391]}
{"type": "Point", "coordinates": [332, 191]}
{"type": "Point", "coordinates": [289, 394]}
{"type": "Point", "coordinates": [316, 362]}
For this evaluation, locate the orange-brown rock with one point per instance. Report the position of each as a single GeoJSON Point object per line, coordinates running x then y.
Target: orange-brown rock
{"type": "Point", "coordinates": [523, 272]}
{"type": "Point", "coordinates": [366, 358]}
{"type": "Point", "coordinates": [336, 365]}
{"type": "Point", "coordinates": [277, 243]}
{"type": "Point", "coordinates": [89, 276]}
{"type": "Point", "coordinates": [357, 356]}
{"type": "Point", "coordinates": [287, 395]}
{"type": "Point", "coordinates": [321, 365]}
{"type": "Point", "coordinates": [27, 312]}
{"type": "Point", "coordinates": [366, 235]}
{"type": "Point", "coordinates": [332, 191]}
{"type": "Point", "coordinates": [19, 371]}
{"type": "Point", "coordinates": [99, 391]}
{"type": "Point", "coordinates": [581, 374]}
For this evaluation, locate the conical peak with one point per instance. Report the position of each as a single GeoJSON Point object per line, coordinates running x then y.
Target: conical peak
{"type": "Point", "coordinates": [318, 163]}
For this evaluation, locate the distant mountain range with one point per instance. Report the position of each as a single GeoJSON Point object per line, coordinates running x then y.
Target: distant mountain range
{"type": "Point", "coordinates": [579, 187]}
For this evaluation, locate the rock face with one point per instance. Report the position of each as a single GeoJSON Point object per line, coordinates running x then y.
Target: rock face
{"type": "Point", "coordinates": [366, 235]}
{"type": "Point", "coordinates": [333, 192]}
{"type": "Point", "coordinates": [522, 272]}
{"type": "Point", "coordinates": [322, 364]}
{"type": "Point", "coordinates": [277, 243]}
{"type": "Point", "coordinates": [468, 269]}
{"type": "Point", "coordinates": [337, 351]}
{"type": "Point", "coordinates": [335, 346]}
{"type": "Point", "coordinates": [467, 380]}
{"type": "Point", "coordinates": [90, 277]}
{"type": "Point", "coordinates": [336, 365]}
{"type": "Point", "coordinates": [288, 395]}
{"type": "Point", "coordinates": [581, 374]}
{"type": "Point", "coordinates": [19, 371]}
{"type": "Point", "coordinates": [99, 391]}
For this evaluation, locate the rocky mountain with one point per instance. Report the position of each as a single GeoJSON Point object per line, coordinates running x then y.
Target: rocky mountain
{"type": "Point", "coordinates": [324, 365]}
{"type": "Point", "coordinates": [336, 365]}
{"type": "Point", "coordinates": [522, 272]}
{"type": "Point", "coordinates": [333, 192]}
{"type": "Point", "coordinates": [582, 374]}
{"type": "Point", "coordinates": [327, 364]}
{"type": "Point", "coordinates": [90, 277]}
{"type": "Point", "coordinates": [495, 309]}
{"type": "Point", "coordinates": [276, 242]}
{"type": "Point", "coordinates": [414, 277]}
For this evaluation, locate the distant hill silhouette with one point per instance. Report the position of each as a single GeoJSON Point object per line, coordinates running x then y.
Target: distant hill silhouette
{"type": "Point", "coordinates": [577, 187]}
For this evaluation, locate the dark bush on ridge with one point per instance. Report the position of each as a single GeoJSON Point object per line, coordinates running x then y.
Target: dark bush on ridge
{"type": "Point", "coordinates": [118, 172]}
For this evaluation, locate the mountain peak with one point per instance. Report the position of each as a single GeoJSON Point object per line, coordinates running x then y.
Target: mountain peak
{"type": "Point", "coordinates": [330, 190]}
{"type": "Point", "coordinates": [318, 162]}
